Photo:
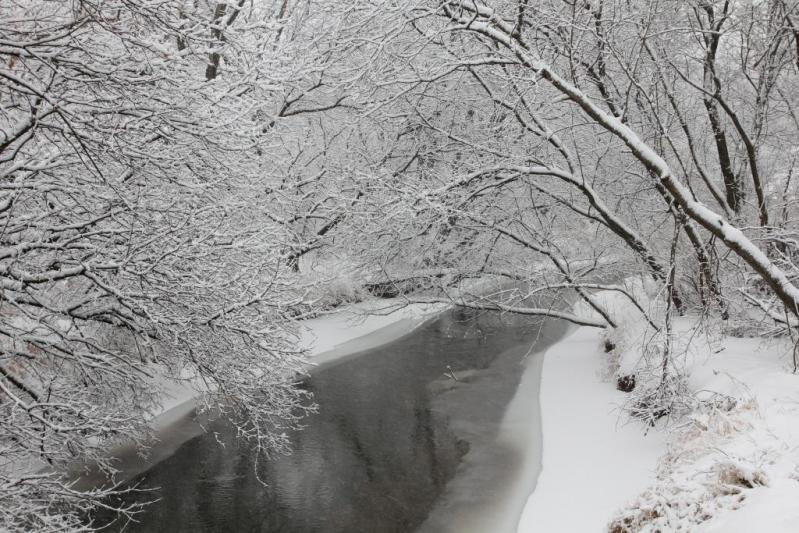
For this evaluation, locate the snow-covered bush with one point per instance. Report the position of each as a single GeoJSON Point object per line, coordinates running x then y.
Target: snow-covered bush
{"type": "Point", "coordinates": [736, 449]}
{"type": "Point", "coordinates": [708, 469]}
{"type": "Point", "coordinates": [326, 285]}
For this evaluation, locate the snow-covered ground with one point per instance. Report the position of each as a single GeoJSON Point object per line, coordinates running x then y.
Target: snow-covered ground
{"type": "Point", "coordinates": [733, 464]}
{"type": "Point", "coordinates": [730, 465]}
{"type": "Point", "coordinates": [592, 462]}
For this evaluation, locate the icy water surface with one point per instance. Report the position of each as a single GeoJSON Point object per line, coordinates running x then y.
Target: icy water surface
{"type": "Point", "coordinates": [403, 437]}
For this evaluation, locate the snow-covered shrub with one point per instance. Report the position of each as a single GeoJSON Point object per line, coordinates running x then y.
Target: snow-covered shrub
{"type": "Point", "coordinates": [327, 287]}
{"type": "Point", "coordinates": [340, 290]}
{"type": "Point", "coordinates": [656, 398]}
{"type": "Point", "coordinates": [733, 476]}
{"type": "Point", "coordinates": [710, 466]}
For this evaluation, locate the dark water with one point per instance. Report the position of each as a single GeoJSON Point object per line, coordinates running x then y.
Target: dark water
{"type": "Point", "coordinates": [392, 429]}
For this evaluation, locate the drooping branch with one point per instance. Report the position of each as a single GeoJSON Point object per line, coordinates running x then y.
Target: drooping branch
{"type": "Point", "coordinates": [487, 305]}
{"type": "Point", "coordinates": [482, 20]}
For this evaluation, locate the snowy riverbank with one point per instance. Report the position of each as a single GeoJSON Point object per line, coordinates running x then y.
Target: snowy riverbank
{"type": "Point", "coordinates": [362, 326]}
{"type": "Point", "coordinates": [591, 462]}
{"type": "Point", "coordinates": [730, 465]}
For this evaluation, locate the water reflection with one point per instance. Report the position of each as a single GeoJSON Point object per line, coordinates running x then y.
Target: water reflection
{"type": "Point", "coordinates": [377, 455]}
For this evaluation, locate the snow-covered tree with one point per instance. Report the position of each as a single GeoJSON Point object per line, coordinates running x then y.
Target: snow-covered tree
{"type": "Point", "coordinates": [600, 115]}
{"type": "Point", "coordinates": [138, 243]}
